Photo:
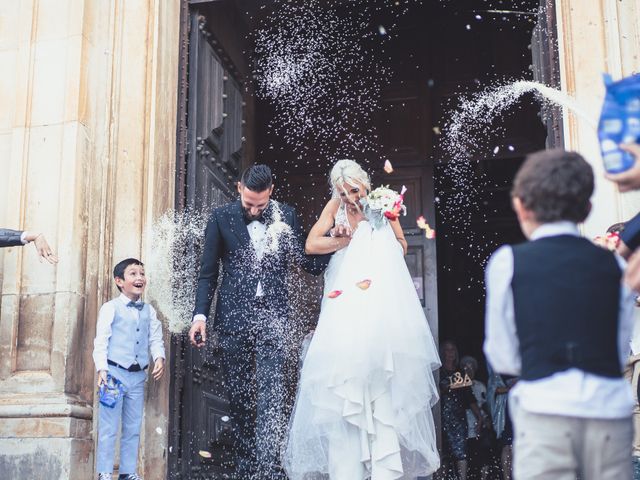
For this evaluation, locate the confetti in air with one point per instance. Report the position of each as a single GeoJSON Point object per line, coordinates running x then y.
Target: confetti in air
{"type": "Point", "coordinates": [312, 60]}
{"type": "Point", "coordinates": [429, 233]}
{"type": "Point", "coordinates": [173, 263]}
{"type": "Point", "coordinates": [468, 132]}
{"type": "Point", "coordinates": [388, 167]}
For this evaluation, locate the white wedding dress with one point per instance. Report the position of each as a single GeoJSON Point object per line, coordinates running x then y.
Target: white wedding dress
{"type": "Point", "coordinates": [363, 408]}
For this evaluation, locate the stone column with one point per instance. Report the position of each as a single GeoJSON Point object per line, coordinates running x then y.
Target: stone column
{"type": "Point", "coordinates": [603, 36]}
{"type": "Point", "coordinates": [87, 151]}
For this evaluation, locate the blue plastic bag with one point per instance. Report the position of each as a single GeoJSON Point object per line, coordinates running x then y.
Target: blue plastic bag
{"type": "Point", "coordinates": [109, 393]}
{"type": "Point", "coordinates": [619, 122]}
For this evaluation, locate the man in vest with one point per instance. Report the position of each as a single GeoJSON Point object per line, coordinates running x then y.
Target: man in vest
{"type": "Point", "coordinates": [559, 316]}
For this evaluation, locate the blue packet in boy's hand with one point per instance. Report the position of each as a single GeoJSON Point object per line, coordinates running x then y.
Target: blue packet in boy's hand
{"type": "Point", "coordinates": [111, 391]}
{"type": "Point", "coordinates": [619, 122]}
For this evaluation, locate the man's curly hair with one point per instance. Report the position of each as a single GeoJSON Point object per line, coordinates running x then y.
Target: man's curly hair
{"type": "Point", "coordinates": [555, 185]}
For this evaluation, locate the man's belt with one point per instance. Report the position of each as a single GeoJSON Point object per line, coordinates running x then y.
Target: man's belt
{"type": "Point", "coordinates": [133, 368]}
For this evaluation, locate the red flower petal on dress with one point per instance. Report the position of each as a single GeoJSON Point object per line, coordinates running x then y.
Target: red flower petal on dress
{"type": "Point", "coordinates": [334, 293]}
{"type": "Point", "coordinates": [364, 284]}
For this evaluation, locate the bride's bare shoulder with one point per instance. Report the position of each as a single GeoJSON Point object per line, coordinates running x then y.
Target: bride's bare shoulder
{"type": "Point", "coordinates": [332, 206]}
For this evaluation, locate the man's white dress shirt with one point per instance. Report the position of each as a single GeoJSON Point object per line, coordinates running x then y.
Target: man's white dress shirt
{"type": "Point", "coordinates": [258, 235]}
{"type": "Point", "coordinates": [572, 392]}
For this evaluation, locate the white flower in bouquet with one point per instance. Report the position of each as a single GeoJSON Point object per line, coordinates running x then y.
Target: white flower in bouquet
{"type": "Point", "coordinates": [384, 204]}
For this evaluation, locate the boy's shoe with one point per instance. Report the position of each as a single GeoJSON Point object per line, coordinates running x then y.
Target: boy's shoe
{"type": "Point", "coordinates": [129, 476]}
{"type": "Point", "coordinates": [104, 476]}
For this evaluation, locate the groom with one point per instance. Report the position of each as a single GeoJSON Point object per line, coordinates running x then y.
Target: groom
{"type": "Point", "coordinates": [251, 313]}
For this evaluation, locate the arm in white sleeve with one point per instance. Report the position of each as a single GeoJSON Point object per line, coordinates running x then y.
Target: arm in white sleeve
{"type": "Point", "coordinates": [156, 342]}
{"type": "Point", "coordinates": [501, 345]}
{"type": "Point", "coordinates": [103, 333]}
{"type": "Point", "coordinates": [626, 318]}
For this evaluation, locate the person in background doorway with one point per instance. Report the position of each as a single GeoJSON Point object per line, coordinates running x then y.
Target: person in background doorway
{"type": "Point", "coordinates": [454, 401]}
{"type": "Point", "coordinates": [478, 445]}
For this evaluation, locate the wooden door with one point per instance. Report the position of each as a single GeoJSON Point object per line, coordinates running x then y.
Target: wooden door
{"type": "Point", "coordinates": [211, 138]}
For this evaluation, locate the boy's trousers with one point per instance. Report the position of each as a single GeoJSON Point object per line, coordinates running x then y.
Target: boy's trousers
{"type": "Point", "coordinates": [128, 409]}
{"type": "Point", "coordinates": [556, 447]}
{"type": "Point", "coordinates": [631, 373]}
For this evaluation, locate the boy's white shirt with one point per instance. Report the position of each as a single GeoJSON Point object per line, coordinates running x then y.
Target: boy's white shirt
{"type": "Point", "coordinates": [572, 392]}
{"type": "Point", "coordinates": [103, 332]}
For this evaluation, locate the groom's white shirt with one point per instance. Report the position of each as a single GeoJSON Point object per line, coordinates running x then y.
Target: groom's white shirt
{"type": "Point", "coordinates": [572, 392]}
{"type": "Point", "coordinates": [257, 233]}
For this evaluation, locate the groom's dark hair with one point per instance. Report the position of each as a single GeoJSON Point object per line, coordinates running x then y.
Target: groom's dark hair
{"type": "Point", "coordinates": [257, 178]}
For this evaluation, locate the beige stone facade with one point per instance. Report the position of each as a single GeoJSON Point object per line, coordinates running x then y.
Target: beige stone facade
{"type": "Point", "coordinates": [87, 151]}
{"type": "Point", "coordinates": [597, 36]}
{"type": "Point", "coordinates": [88, 97]}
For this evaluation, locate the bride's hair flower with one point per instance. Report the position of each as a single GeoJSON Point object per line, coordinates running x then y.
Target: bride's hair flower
{"type": "Point", "coordinates": [384, 204]}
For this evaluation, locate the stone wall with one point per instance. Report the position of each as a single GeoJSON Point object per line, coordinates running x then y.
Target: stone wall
{"type": "Point", "coordinates": [87, 151]}
{"type": "Point", "coordinates": [597, 36]}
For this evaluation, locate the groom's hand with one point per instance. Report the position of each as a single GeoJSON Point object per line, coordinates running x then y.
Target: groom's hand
{"type": "Point", "coordinates": [198, 333]}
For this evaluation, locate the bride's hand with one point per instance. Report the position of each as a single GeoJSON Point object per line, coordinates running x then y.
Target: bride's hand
{"type": "Point", "coordinates": [340, 231]}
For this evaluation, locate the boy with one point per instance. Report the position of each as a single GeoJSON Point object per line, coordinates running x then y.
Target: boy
{"type": "Point", "coordinates": [559, 316]}
{"type": "Point", "coordinates": [127, 329]}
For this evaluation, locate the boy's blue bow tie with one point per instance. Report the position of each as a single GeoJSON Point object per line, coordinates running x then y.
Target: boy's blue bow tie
{"type": "Point", "coordinates": [137, 305]}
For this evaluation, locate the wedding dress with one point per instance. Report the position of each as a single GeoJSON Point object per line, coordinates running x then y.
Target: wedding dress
{"type": "Point", "coordinates": [363, 408]}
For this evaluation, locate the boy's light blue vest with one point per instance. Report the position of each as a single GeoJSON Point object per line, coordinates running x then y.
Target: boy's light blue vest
{"type": "Point", "coordinates": [129, 341]}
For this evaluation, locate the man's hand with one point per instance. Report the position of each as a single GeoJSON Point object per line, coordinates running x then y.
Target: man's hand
{"type": "Point", "coordinates": [630, 179]}
{"type": "Point", "coordinates": [102, 377]}
{"type": "Point", "coordinates": [42, 247]}
{"type": "Point", "coordinates": [198, 333]}
{"type": "Point", "coordinates": [158, 368]}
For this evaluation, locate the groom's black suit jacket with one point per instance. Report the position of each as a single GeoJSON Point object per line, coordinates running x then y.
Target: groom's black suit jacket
{"type": "Point", "coordinates": [227, 240]}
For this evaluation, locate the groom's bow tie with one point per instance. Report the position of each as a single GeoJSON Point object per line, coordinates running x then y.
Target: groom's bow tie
{"type": "Point", "coordinates": [137, 305]}
{"type": "Point", "coordinates": [248, 220]}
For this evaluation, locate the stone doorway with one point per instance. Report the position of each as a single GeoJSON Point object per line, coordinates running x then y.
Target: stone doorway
{"type": "Point", "coordinates": [435, 57]}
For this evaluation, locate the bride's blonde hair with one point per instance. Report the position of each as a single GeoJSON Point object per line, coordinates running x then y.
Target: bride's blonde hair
{"type": "Point", "coordinates": [349, 172]}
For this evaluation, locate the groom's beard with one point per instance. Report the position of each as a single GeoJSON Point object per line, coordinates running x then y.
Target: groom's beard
{"type": "Point", "coordinates": [252, 218]}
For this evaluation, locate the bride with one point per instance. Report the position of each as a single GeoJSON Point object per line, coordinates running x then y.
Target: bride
{"type": "Point", "coordinates": [363, 408]}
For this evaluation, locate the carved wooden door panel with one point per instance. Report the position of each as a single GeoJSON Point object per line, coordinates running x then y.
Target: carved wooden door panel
{"type": "Point", "coordinates": [546, 68]}
{"type": "Point", "coordinates": [404, 125]}
{"type": "Point", "coordinates": [211, 137]}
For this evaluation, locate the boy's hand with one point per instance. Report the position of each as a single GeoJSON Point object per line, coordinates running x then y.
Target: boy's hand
{"type": "Point", "coordinates": [158, 368]}
{"type": "Point", "coordinates": [102, 377]}
{"type": "Point", "coordinates": [630, 179]}
{"type": "Point", "coordinates": [198, 333]}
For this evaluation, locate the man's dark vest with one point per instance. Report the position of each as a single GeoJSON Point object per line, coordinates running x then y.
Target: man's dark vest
{"type": "Point", "coordinates": [566, 294]}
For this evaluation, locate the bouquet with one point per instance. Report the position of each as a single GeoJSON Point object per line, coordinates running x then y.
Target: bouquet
{"type": "Point", "coordinates": [384, 204]}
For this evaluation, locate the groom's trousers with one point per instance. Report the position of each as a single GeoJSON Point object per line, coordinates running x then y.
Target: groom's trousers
{"type": "Point", "coordinates": [254, 363]}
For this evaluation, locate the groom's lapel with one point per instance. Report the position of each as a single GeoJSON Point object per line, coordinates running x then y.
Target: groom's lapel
{"type": "Point", "coordinates": [268, 214]}
{"type": "Point", "coordinates": [237, 224]}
